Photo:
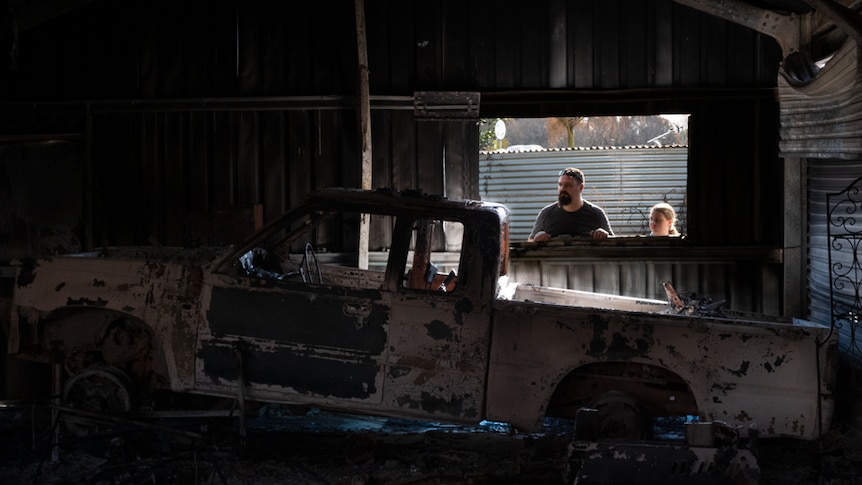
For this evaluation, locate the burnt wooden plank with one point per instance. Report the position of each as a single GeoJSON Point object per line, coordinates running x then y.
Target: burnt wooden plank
{"type": "Point", "coordinates": [273, 158]}
{"type": "Point", "coordinates": [348, 164]}
{"type": "Point", "coordinates": [742, 61]}
{"type": "Point", "coordinates": [714, 63]}
{"type": "Point", "coordinates": [109, 39]}
{"type": "Point", "coordinates": [248, 159]}
{"type": "Point", "coordinates": [171, 57]}
{"type": "Point", "coordinates": [173, 186]}
{"type": "Point", "coordinates": [248, 47]}
{"type": "Point", "coordinates": [149, 67]}
{"type": "Point", "coordinates": [607, 48]}
{"type": "Point", "coordinates": [456, 48]}
{"type": "Point", "coordinates": [532, 47]}
{"type": "Point", "coordinates": [195, 46]}
{"type": "Point", "coordinates": [300, 57]}
{"type": "Point", "coordinates": [197, 184]}
{"type": "Point", "coordinates": [633, 280]}
{"type": "Point", "coordinates": [505, 45]}
{"type": "Point", "coordinates": [687, 278]}
{"type": "Point", "coordinates": [582, 45]}
{"type": "Point", "coordinates": [117, 210]}
{"type": "Point", "coordinates": [404, 163]}
{"type": "Point", "coordinates": [151, 159]}
{"type": "Point", "coordinates": [71, 42]}
{"type": "Point", "coordinates": [456, 149]}
{"type": "Point", "coordinates": [388, 42]}
{"type": "Point", "coordinates": [686, 47]}
{"type": "Point", "coordinates": [382, 142]}
{"type": "Point", "coordinates": [223, 142]}
{"type": "Point", "coordinates": [481, 48]}
{"type": "Point", "coordinates": [429, 157]}
{"type": "Point", "coordinates": [401, 59]}
{"type": "Point", "coordinates": [272, 61]}
{"type": "Point", "coordinates": [554, 275]}
{"type": "Point", "coordinates": [221, 51]}
{"type": "Point", "coordinates": [581, 277]}
{"type": "Point", "coordinates": [770, 298]}
{"type": "Point", "coordinates": [342, 44]}
{"type": "Point", "coordinates": [607, 278]}
{"type": "Point", "coordinates": [428, 48]}
{"type": "Point", "coordinates": [663, 41]}
{"type": "Point", "coordinates": [635, 46]}
{"type": "Point", "coordinates": [743, 296]}
{"type": "Point", "coordinates": [714, 280]}
{"type": "Point", "coordinates": [526, 273]}
{"type": "Point", "coordinates": [299, 155]}
{"type": "Point", "coordinates": [328, 150]}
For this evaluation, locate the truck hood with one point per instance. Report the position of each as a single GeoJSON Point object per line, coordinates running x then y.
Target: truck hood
{"type": "Point", "coordinates": [185, 256]}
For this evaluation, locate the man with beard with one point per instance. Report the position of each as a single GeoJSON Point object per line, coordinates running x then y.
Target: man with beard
{"type": "Point", "coordinates": [571, 215]}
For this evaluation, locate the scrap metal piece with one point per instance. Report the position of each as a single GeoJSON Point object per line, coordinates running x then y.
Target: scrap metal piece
{"type": "Point", "coordinates": [672, 295]}
{"type": "Point", "coordinates": [642, 463]}
{"type": "Point", "coordinates": [446, 105]}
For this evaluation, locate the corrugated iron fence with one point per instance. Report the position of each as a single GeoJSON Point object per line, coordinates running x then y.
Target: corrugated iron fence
{"type": "Point", "coordinates": [624, 181]}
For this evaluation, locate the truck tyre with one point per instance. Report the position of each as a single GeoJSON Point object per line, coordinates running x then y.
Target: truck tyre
{"type": "Point", "coordinates": [620, 418]}
{"type": "Point", "coordinates": [102, 389]}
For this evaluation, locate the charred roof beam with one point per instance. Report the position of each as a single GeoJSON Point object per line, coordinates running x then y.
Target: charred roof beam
{"type": "Point", "coordinates": [784, 28]}
{"type": "Point", "coordinates": [845, 18]}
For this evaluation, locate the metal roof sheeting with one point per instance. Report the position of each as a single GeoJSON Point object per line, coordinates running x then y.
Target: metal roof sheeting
{"type": "Point", "coordinates": [624, 181]}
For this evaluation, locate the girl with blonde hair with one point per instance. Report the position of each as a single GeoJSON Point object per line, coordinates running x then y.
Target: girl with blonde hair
{"type": "Point", "coordinates": [662, 220]}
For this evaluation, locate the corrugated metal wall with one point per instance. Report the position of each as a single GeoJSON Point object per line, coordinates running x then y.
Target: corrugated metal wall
{"type": "Point", "coordinates": [820, 123]}
{"type": "Point", "coordinates": [624, 181]}
{"type": "Point", "coordinates": [829, 177]}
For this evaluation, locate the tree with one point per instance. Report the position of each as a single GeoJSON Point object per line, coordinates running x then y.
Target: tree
{"type": "Point", "coordinates": [581, 131]}
{"type": "Point", "coordinates": [487, 138]}
{"type": "Point", "coordinates": [567, 124]}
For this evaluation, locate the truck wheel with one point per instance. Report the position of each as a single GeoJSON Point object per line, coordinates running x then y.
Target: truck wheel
{"type": "Point", "coordinates": [620, 418]}
{"type": "Point", "coordinates": [101, 389]}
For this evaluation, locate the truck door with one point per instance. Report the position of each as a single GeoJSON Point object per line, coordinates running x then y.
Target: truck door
{"type": "Point", "coordinates": [439, 328]}
{"type": "Point", "coordinates": [299, 323]}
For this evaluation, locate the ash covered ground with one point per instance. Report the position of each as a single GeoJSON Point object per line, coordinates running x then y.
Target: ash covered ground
{"type": "Point", "coordinates": [283, 446]}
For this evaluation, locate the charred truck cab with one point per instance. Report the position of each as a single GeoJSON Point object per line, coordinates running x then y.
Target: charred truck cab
{"type": "Point", "coordinates": [423, 324]}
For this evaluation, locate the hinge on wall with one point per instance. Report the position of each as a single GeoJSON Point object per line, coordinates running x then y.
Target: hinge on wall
{"type": "Point", "coordinates": [445, 105]}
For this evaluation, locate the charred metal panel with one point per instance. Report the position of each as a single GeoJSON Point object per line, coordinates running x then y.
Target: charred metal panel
{"type": "Point", "coordinates": [293, 369]}
{"type": "Point", "coordinates": [733, 369]}
{"type": "Point", "coordinates": [355, 323]}
{"type": "Point", "coordinates": [438, 354]}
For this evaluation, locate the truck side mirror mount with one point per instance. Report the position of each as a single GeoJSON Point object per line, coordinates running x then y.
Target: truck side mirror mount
{"type": "Point", "coordinates": [430, 273]}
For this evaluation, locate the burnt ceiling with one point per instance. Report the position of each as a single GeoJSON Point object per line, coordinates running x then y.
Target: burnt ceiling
{"type": "Point", "coordinates": [781, 6]}
{"type": "Point", "coordinates": [830, 23]}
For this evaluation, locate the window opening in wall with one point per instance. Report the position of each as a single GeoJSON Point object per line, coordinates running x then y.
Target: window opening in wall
{"type": "Point", "coordinates": [630, 163]}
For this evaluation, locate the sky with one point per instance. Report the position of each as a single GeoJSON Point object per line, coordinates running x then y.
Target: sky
{"type": "Point", "coordinates": [676, 119]}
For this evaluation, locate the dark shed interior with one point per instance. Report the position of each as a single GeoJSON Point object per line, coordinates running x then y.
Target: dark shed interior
{"type": "Point", "coordinates": [129, 122]}
{"type": "Point", "coordinates": [177, 109]}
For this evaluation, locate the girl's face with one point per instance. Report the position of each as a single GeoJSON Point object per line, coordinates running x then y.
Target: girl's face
{"type": "Point", "coordinates": [659, 225]}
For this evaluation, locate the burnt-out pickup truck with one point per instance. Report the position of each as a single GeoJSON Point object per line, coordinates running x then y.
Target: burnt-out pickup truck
{"type": "Point", "coordinates": [397, 304]}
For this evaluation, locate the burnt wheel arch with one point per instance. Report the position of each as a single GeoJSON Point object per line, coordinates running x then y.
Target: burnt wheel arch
{"type": "Point", "coordinates": [657, 391]}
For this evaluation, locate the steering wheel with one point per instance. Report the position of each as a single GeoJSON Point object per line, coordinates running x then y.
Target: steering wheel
{"type": "Point", "coordinates": [310, 265]}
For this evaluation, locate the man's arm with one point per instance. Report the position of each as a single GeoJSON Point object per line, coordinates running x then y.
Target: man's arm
{"type": "Point", "coordinates": [604, 229]}
{"type": "Point", "coordinates": [538, 233]}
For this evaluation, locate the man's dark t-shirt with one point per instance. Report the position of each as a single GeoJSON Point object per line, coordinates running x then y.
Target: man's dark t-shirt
{"type": "Point", "coordinates": [558, 222]}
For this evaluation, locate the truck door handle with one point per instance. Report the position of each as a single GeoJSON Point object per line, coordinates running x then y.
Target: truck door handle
{"type": "Point", "coordinates": [356, 309]}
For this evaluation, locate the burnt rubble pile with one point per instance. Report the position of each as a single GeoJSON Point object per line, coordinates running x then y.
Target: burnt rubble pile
{"type": "Point", "coordinates": [702, 306]}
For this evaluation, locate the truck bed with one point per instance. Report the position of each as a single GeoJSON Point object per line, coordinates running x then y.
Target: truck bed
{"type": "Point", "coordinates": [561, 296]}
